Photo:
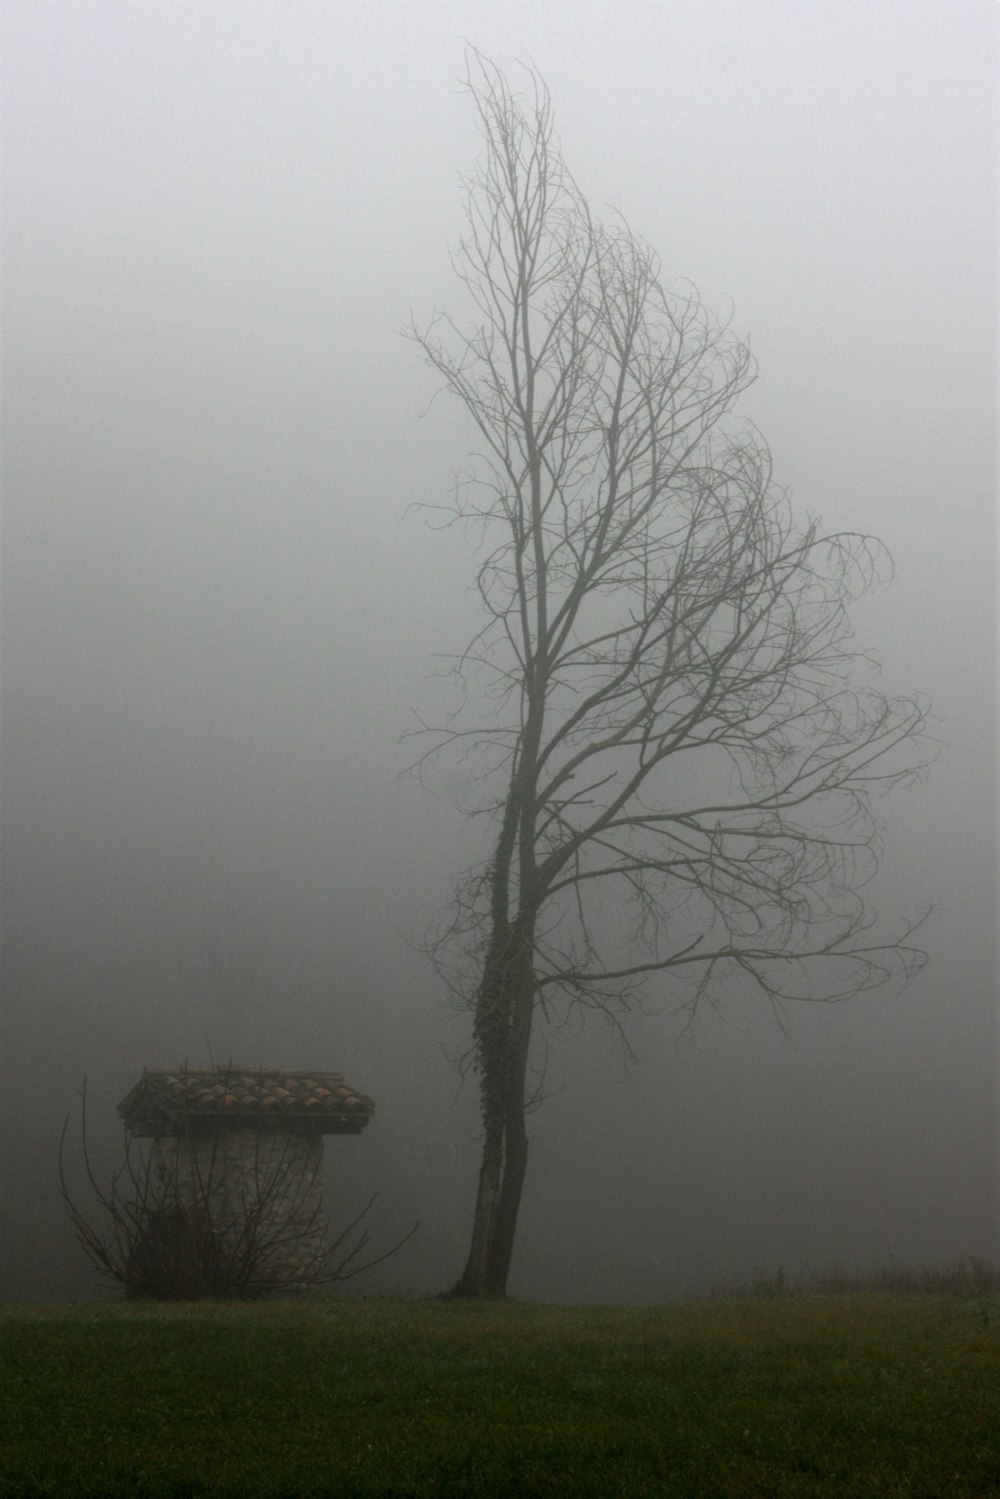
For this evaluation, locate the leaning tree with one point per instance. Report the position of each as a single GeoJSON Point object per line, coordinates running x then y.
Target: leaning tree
{"type": "Point", "coordinates": [678, 741]}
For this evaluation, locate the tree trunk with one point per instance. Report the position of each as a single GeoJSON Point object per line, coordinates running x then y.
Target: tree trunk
{"type": "Point", "coordinates": [507, 1209]}
{"type": "Point", "coordinates": [505, 1145]}
{"type": "Point", "coordinates": [475, 1279]}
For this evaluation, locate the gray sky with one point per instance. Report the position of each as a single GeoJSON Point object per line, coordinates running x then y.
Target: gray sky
{"type": "Point", "coordinates": [220, 609]}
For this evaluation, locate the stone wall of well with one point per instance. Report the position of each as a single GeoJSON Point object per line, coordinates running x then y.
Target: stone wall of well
{"type": "Point", "coordinates": [265, 1183]}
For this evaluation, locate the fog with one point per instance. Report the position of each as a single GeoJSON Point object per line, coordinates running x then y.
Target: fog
{"type": "Point", "coordinates": [222, 602]}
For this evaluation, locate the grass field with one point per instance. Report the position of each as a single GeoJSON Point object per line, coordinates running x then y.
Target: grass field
{"type": "Point", "coordinates": [861, 1395]}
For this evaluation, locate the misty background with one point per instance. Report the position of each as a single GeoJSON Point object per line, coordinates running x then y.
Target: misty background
{"type": "Point", "coordinates": [221, 604]}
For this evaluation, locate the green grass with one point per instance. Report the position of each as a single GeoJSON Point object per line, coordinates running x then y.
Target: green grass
{"type": "Point", "coordinates": [857, 1395]}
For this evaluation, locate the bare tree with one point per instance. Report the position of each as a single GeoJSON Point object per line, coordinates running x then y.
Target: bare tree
{"type": "Point", "coordinates": [678, 728]}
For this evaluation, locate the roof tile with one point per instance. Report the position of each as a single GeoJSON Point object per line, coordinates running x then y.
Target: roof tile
{"type": "Point", "coordinates": [173, 1092]}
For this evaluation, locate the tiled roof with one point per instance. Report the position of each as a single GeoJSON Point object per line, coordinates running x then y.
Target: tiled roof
{"type": "Point", "coordinates": [265, 1093]}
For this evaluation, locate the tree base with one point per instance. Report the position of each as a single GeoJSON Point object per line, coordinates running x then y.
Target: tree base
{"type": "Point", "coordinates": [463, 1292]}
